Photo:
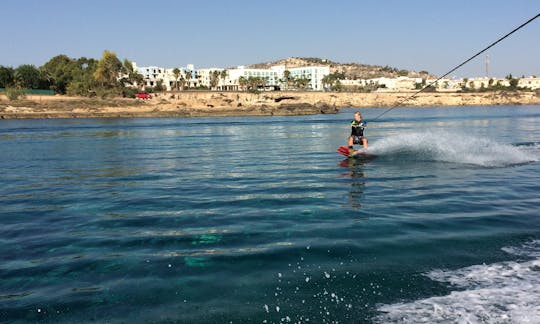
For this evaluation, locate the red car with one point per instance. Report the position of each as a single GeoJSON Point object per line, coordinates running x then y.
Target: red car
{"type": "Point", "coordinates": [142, 95]}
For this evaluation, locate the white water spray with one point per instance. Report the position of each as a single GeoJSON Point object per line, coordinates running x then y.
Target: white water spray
{"type": "Point", "coordinates": [448, 147]}
{"type": "Point", "coordinates": [504, 292]}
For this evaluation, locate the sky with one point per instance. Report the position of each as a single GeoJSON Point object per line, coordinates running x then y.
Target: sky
{"type": "Point", "coordinates": [417, 35]}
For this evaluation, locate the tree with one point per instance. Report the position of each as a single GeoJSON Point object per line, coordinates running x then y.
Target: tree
{"type": "Point", "coordinates": [403, 73]}
{"type": "Point", "coordinates": [182, 82]}
{"type": "Point", "coordinates": [287, 79]}
{"type": "Point", "coordinates": [159, 86]}
{"type": "Point", "coordinates": [131, 77]}
{"type": "Point", "coordinates": [188, 78]}
{"type": "Point", "coordinates": [287, 75]}
{"type": "Point", "coordinates": [214, 79]}
{"type": "Point", "coordinates": [513, 83]}
{"type": "Point", "coordinates": [27, 76]}
{"type": "Point", "coordinates": [108, 69]}
{"type": "Point", "coordinates": [60, 72]}
{"type": "Point", "coordinates": [254, 83]}
{"type": "Point", "coordinates": [338, 86]}
{"type": "Point", "coordinates": [464, 84]}
{"type": "Point", "coordinates": [223, 76]}
{"type": "Point", "coordinates": [302, 82]}
{"type": "Point", "coordinates": [83, 83]}
{"type": "Point", "coordinates": [177, 73]}
{"type": "Point", "coordinates": [326, 82]}
{"type": "Point", "coordinates": [6, 76]}
{"type": "Point", "coordinates": [332, 81]}
{"type": "Point", "coordinates": [243, 82]}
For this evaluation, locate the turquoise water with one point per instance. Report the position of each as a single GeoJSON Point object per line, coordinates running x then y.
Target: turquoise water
{"type": "Point", "coordinates": [258, 219]}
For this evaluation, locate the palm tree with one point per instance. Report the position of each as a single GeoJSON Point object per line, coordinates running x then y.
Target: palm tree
{"type": "Point", "coordinates": [287, 78]}
{"type": "Point", "coordinates": [182, 82]}
{"type": "Point", "coordinates": [214, 78]}
{"type": "Point", "coordinates": [326, 81]}
{"type": "Point", "coordinates": [242, 82]}
{"type": "Point", "coordinates": [254, 82]}
{"type": "Point", "coordinates": [176, 72]}
{"type": "Point", "coordinates": [188, 77]}
{"type": "Point", "coordinates": [223, 76]}
{"type": "Point", "coordinates": [302, 82]}
{"type": "Point", "coordinates": [132, 75]}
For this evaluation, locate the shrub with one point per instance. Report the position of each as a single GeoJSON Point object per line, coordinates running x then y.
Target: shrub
{"type": "Point", "coordinates": [15, 93]}
{"type": "Point", "coordinates": [77, 88]}
{"type": "Point", "coordinates": [129, 92]}
{"type": "Point", "coordinates": [105, 93]}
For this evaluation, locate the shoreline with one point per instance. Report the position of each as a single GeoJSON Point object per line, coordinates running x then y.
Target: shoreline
{"type": "Point", "coordinates": [228, 104]}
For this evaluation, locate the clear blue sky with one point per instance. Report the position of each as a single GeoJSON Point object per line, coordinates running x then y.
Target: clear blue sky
{"type": "Point", "coordinates": [417, 35]}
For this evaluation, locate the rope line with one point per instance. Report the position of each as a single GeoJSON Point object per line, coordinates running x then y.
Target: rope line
{"type": "Point", "coordinates": [460, 65]}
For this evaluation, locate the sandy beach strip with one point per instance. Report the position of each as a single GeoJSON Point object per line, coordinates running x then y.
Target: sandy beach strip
{"type": "Point", "coordinates": [207, 103]}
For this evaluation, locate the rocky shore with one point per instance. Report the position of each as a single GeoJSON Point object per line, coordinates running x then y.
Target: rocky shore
{"type": "Point", "coordinates": [199, 104]}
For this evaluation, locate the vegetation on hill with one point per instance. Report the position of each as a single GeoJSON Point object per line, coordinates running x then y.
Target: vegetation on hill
{"type": "Point", "coordinates": [348, 70]}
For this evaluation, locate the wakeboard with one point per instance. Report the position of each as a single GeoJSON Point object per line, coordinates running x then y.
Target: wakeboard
{"type": "Point", "coordinates": [344, 150]}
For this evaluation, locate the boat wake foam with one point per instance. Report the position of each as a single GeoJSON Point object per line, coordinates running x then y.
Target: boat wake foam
{"type": "Point", "coordinates": [440, 146]}
{"type": "Point", "coordinates": [505, 292]}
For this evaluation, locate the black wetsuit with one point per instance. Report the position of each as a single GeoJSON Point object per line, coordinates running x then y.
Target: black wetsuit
{"type": "Point", "coordinates": [357, 131]}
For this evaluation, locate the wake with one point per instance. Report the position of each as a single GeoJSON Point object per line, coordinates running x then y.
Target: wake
{"type": "Point", "coordinates": [504, 292]}
{"type": "Point", "coordinates": [440, 146]}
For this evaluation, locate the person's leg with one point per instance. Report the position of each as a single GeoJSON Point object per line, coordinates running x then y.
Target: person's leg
{"type": "Point", "coordinates": [365, 142]}
{"type": "Point", "coordinates": [351, 141]}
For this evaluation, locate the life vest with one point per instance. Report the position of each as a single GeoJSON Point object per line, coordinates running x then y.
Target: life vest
{"type": "Point", "coordinates": [357, 128]}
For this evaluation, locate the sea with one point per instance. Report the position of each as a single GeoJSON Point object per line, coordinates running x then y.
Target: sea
{"type": "Point", "coordinates": [260, 220]}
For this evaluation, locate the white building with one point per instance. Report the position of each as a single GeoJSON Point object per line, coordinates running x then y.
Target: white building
{"type": "Point", "coordinates": [314, 74]}
{"type": "Point", "coordinates": [272, 76]}
{"type": "Point", "coordinates": [204, 77]}
{"type": "Point", "coordinates": [152, 75]}
{"type": "Point", "coordinates": [479, 83]}
{"type": "Point", "coordinates": [385, 84]}
{"type": "Point", "coordinates": [275, 76]}
{"type": "Point", "coordinates": [532, 83]}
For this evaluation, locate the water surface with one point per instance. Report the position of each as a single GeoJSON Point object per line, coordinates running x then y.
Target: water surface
{"type": "Point", "coordinates": [253, 219]}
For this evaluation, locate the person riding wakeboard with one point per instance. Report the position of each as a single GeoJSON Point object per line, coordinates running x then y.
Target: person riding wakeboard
{"type": "Point", "coordinates": [357, 133]}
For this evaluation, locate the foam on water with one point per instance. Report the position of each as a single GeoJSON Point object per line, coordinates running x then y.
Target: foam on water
{"type": "Point", "coordinates": [453, 148]}
{"type": "Point", "coordinates": [505, 292]}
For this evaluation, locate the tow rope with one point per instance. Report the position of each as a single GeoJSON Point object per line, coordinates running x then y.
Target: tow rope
{"type": "Point", "coordinates": [460, 65]}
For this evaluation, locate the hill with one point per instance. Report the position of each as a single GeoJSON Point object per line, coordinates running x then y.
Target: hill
{"type": "Point", "coordinates": [350, 70]}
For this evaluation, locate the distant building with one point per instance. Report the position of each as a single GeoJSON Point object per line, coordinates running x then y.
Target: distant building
{"type": "Point", "coordinates": [314, 74]}
{"type": "Point", "coordinates": [383, 83]}
{"type": "Point", "coordinates": [271, 77]}
{"type": "Point", "coordinates": [401, 83]}
{"type": "Point", "coordinates": [204, 77]}
{"type": "Point", "coordinates": [532, 83]}
{"type": "Point", "coordinates": [274, 78]}
{"type": "Point", "coordinates": [153, 75]}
